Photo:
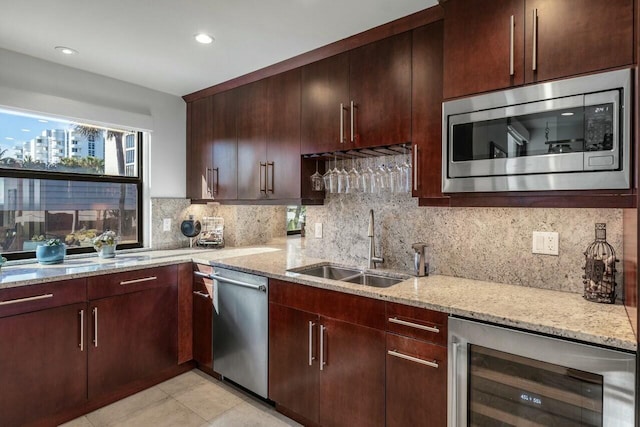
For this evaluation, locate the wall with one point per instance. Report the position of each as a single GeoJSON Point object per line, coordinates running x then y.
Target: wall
{"type": "Point", "coordinates": [48, 85]}
{"type": "Point", "coordinates": [244, 225]}
{"type": "Point", "coordinates": [492, 244]}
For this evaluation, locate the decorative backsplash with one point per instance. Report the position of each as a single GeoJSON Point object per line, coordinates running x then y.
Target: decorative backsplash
{"type": "Point", "coordinates": [492, 244]}
{"type": "Point", "coordinates": [244, 225]}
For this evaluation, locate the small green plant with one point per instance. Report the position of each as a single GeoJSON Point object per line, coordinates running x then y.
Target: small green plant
{"type": "Point", "coordinates": [53, 242]}
{"type": "Point", "coordinates": [108, 238]}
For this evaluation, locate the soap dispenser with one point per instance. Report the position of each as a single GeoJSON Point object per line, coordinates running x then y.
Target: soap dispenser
{"type": "Point", "coordinates": [420, 263]}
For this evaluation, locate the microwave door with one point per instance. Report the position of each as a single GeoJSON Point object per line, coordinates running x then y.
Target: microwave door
{"type": "Point", "coordinates": [529, 138]}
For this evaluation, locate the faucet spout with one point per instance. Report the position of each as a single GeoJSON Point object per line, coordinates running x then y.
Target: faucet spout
{"type": "Point", "coordinates": [372, 259]}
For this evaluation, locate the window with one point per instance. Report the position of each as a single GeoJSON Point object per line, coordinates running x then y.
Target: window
{"type": "Point", "coordinates": [73, 191]}
{"type": "Point", "coordinates": [296, 216]}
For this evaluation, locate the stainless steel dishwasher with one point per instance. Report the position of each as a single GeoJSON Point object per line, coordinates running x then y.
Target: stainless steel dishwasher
{"type": "Point", "coordinates": [241, 328]}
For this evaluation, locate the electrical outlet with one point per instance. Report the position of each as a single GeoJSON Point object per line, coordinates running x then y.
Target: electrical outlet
{"type": "Point", "coordinates": [545, 242]}
{"type": "Point", "coordinates": [166, 224]}
{"type": "Point", "coordinates": [318, 230]}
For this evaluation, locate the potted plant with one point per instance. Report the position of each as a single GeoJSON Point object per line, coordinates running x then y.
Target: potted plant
{"type": "Point", "coordinates": [51, 251]}
{"type": "Point", "coordinates": [105, 244]}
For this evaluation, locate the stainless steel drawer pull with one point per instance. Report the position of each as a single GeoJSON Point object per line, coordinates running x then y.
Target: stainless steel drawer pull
{"type": "Point", "coordinates": [429, 363]}
{"type": "Point", "coordinates": [95, 326]}
{"type": "Point", "coordinates": [144, 279]}
{"type": "Point", "coordinates": [201, 274]}
{"type": "Point", "coordinates": [201, 294]}
{"type": "Point", "coordinates": [311, 356]}
{"type": "Point", "coordinates": [261, 288]}
{"type": "Point", "coordinates": [81, 345]}
{"type": "Point", "coordinates": [27, 299]}
{"type": "Point", "coordinates": [414, 325]}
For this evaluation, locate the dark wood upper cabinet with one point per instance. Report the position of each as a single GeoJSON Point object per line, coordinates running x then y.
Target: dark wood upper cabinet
{"type": "Point", "coordinates": [576, 36]}
{"type": "Point", "coordinates": [199, 148]}
{"type": "Point", "coordinates": [477, 45]}
{"type": "Point", "coordinates": [325, 86]}
{"type": "Point", "coordinates": [426, 117]}
{"type": "Point", "coordinates": [224, 172]}
{"type": "Point", "coordinates": [380, 87]}
{"type": "Point", "coordinates": [547, 39]}
{"type": "Point", "coordinates": [283, 135]}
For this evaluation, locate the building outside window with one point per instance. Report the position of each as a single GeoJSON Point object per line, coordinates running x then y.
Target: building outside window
{"type": "Point", "coordinates": [61, 179]}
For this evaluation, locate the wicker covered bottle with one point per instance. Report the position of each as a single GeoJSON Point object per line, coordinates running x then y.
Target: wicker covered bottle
{"type": "Point", "coordinates": [600, 269]}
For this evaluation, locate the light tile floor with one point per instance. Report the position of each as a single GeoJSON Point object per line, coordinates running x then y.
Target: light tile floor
{"type": "Point", "coordinates": [191, 399]}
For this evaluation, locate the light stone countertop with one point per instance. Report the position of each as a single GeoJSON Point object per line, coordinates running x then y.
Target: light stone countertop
{"type": "Point", "coordinates": [556, 313]}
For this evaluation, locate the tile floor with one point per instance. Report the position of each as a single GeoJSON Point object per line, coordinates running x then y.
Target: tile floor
{"type": "Point", "coordinates": [191, 399]}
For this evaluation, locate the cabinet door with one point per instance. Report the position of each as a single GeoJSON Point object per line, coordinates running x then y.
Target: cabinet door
{"type": "Point", "coordinates": [202, 318]}
{"type": "Point", "coordinates": [416, 392]}
{"type": "Point", "coordinates": [293, 360]}
{"type": "Point", "coordinates": [352, 380]}
{"type": "Point", "coordinates": [577, 36]}
{"type": "Point", "coordinates": [225, 150]}
{"type": "Point", "coordinates": [427, 111]}
{"type": "Point", "coordinates": [325, 85]}
{"type": "Point", "coordinates": [199, 146]}
{"type": "Point", "coordinates": [132, 336]}
{"type": "Point", "coordinates": [380, 86]}
{"type": "Point", "coordinates": [251, 129]}
{"type": "Point", "coordinates": [477, 45]}
{"type": "Point", "coordinates": [283, 135]}
{"type": "Point", "coordinates": [44, 369]}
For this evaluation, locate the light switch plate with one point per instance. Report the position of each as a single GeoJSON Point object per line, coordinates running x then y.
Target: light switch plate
{"type": "Point", "coordinates": [545, 242]}
{"type": "Point", "coordinates": [166, 224]}
{"type": "Point", "coordinates": [318, 230]}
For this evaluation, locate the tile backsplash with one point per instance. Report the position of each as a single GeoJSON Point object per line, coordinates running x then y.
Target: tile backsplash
{"type": "Point", "coordinates": [492, 244]}
{"type": "Point", "coordinates": [244, 225]}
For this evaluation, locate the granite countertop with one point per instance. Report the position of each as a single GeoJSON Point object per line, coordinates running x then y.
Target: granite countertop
{"type": "Point", "coordinates": [556, 313]}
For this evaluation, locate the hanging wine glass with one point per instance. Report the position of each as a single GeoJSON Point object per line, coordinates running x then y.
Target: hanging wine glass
{"type": "Point", "coordinates": [353, 181]}
{"type": "Point", "coordinates": [342, 178]}
{"type": "Point", "coordinates": [317, 183]}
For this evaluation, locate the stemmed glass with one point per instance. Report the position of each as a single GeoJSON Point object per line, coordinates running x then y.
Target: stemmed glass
{"type": "Point", "coordinates": [406, 173]}
{"type": "Point", "coordinates": [382, 177]}
{"type": "Point", "coordinates": [342, 177]}
{"type": "Point", "coordinates": [328, 178]}
{"type": "Point", "coordinates": [353, 180]}
{"type": "Point", "coordinates": [317, 183]}
{"type": "Point", "coordinates": [395, 175]}
{"type": "Point", "coordinates": [367, 178]}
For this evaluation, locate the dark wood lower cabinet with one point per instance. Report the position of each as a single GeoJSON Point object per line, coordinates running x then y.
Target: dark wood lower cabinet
{"type": "Point", "coordinates": [132, 337]}
{"type": "Point", "coordinates": [43, 368]}
{"type": "Point", "coordinates": [416, 392]}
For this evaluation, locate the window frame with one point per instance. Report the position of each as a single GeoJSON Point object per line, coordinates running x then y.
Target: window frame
{"type": "Point", "coordinates": [66, 176]}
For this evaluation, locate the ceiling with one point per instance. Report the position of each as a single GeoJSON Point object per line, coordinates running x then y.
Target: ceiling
{"type": "Point", "coordinates": [150, 42]}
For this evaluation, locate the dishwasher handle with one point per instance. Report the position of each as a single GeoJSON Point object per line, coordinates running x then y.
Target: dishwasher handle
{"type": "Point", "coordinates": [261, 288]}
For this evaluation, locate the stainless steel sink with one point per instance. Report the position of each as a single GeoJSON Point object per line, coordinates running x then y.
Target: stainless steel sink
{"type": "Point", "coordinates": [351, 275]}
{"type": "Point", "coordinates": [374, 280]}
{"type": "Point", "coordinates": [328, 271]}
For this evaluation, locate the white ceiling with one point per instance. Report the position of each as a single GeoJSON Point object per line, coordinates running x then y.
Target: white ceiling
{"type": "Point", "coordinates": [150, 42]}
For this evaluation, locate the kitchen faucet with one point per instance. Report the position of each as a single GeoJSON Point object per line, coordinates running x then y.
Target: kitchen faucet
{"type": "Point", "coordinates": [372, 259]}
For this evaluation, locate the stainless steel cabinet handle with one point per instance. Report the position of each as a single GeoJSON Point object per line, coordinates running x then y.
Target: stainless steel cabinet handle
{"type": "Point", "coordinates": [27, 299]}
{"type": "Point", "coordinates": [201, 274]}
{"type": "Point", "coordinates": [535, 40]}
{"type": "Point", "coordinates": [261, 288]}
{"type": "Point", "coordinates": [352, 122]}
{"type": "Point", "coordinates": [201, 294]}
{"type": "Point", "coordinates": [432, 364]}
{"type": "Point", "coordinates": [454, 384]}
{"type": "Point", "coordinates": [415, 167]}
{"type": "Point", "coordinates": [322, 359]}
{"type": "Point", "coordinates": [215, 182]}
{"type": "Point", "coordinates": [143, 279]}
{"type": "Point", "coordinates": [311, 356]}
{"type": "Point", "coordinates": [81, 345]}
{"type": "Point", "coordinates": [95, 326]}
{"type": "Point", "coordinates": [273, 171]}
{"type": "Point", "coordinates": [414, 325]}
{"type": "Point", "coordinates": [341, 123]}
{"type": "Point", "coordinates": [263, 189]}
{"type": "Point", "coordinates": [511, 25]}
{"type": "Point", "coordinates": [209, 172]}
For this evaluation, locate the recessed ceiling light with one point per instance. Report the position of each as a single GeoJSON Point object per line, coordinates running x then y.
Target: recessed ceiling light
{"type": "Point", "coordinates": [203, 38]}
{"type": "Point", "coordinates": [43, 121]}
{"type": "Point", "coordinates": [567, 114]}
{"type": "Point", "coordinates": [66, 50]}
{"type": "Point", "coordinates": [8, 138]}
{"type": "Point", "coordinates": [25, 130]}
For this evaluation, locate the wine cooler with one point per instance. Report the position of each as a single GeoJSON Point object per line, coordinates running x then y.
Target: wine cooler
{"type": "Point", "coordinates": [503, 377]}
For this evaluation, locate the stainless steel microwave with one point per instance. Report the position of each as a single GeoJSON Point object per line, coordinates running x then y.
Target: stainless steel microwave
{"type": "Point", "coordinates": [571, 134]}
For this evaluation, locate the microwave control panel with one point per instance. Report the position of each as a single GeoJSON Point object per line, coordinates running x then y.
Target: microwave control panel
{"type": "Point", "coordinates": [598, 127]}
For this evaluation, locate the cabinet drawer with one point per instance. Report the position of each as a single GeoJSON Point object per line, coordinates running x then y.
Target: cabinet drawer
{"type": "Point", "coordinates": [416, 351]}
{"type": "Point", "coordinates": [24, 299]}
{"type": "Point", "coordinates": [131, 281]}
{"type": "Point", "coordinates": [417, 322]}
